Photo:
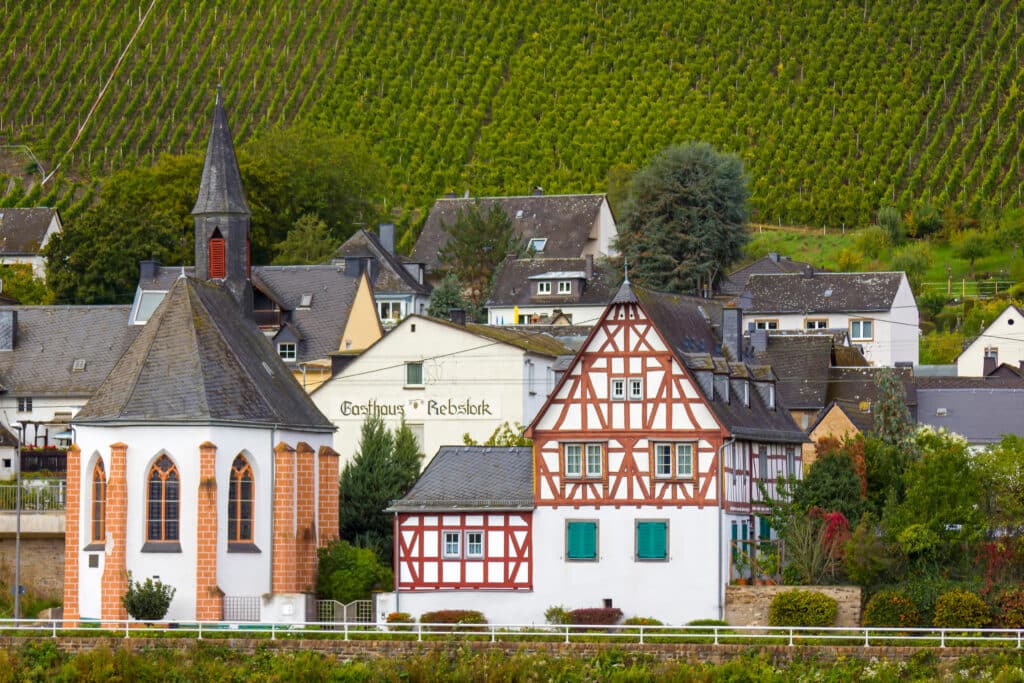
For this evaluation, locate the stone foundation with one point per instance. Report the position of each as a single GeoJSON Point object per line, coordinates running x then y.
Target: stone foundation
{"type": "Point", "coordinates": [749, 605]}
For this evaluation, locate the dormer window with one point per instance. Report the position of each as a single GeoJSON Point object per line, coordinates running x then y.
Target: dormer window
{"type": "Point", "coordinates": [543, 287]}
{"type": "Point", "coordinates": [564, 287]}
{"type": "Point", "coordinates": [746, 393]}
{"type": "Point", "coordinates": [537, 244]}
{"type": "Point", "coordinates": [287, 351]}
{"type": "Point", "coordinates": [306, 301]}
{"type": "Point", "coordinates": [218, 264]}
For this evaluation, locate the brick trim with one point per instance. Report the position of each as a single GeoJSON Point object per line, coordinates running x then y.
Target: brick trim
{"type": "Point", "coordinates": [115, 574]}
{"type": "Point", "coordinates": [209, 597]}
{"type": "Point", "coordinates": [284, 577]}
{"type": "Point", "coordinates": [72, 539]}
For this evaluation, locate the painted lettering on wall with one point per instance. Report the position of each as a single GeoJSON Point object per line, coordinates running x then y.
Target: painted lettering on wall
{"type": "Point", "coordinates": [433, 407]}
{"type": "Point", "coordinates": [372, 409]}
{"type": "Point", "coordinates": [450, 407]}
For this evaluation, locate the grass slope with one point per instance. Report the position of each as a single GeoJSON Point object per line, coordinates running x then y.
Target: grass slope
{"type": "Point", "coordinates": [835, 107]}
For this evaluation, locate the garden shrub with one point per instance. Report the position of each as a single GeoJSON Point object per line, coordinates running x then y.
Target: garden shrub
{"type": "Point", "coordinates": [924, 590]}
{"type": "Point", "coordinates": [453, 616]}
{"type": "Point", "coordinates": [149, 600]}
{"type": "Point", "coordinates": [802, 608]}
{"type": "Point", "coordinates": [557, 615]}
{"type": "Point", "coordinates": [959, 608]}
{"type": "Point", "coordinates": [597, 616]}
{"type": "Point", "coordinates": [1010, 604]}
{"type": "Point", "coordinates": [889, 608]}
{"type": "Point", "coordinates": [396, 619]}
{"type": "Point", "coordinates": [642, 621]}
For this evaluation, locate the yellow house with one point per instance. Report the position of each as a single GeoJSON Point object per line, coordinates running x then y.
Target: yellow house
{"type": "Point", "coordinates": [839, 419]}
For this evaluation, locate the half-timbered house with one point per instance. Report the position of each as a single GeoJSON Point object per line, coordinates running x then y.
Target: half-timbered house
{"type": "Point", "coordinates": [647, 463]}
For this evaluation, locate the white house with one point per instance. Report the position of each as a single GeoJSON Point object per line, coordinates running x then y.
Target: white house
{"type": "Point", "coordinates": [24, 233]}
{"type": "Point", "coordinates": [642, 479]}
{"type": "Point", "coordinates": [538, 290]}
{"type": "Point", "coordinates": [1001, 342]}
{"type": "Point", "coordinates": [877, 311]}
{"type": "Point", "coordinates": [444, 379]}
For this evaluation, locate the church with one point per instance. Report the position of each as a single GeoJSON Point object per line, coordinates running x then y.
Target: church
{"type": "Point", "coordinates": [200, 461]}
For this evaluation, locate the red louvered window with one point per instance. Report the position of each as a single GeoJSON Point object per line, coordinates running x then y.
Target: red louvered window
{"type": "Point", "coordinates": [218, 268]}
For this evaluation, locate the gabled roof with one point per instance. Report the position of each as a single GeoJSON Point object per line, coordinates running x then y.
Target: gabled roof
{"type": "Point", "coordinates": [980, 415]}
{"type": "Point", "coordinates": [801, 363]}
{"type": "Point", "coordinates": [820, 293]}
{"type": "Point", "coordinates": [50, 339]}
{"type": "Point", "coordinates": [531, 341]}
{"type": "Point", "coordinates": [1010, 308]}
{"type": "Point", "coordinates": [220, 189]}
{"type": "Point", "coordinates": [736, 281]}
{"type": "Point", "coordinates": [863, 421]}
{"type": "Point", "coordinates": [512, 284]}
{"type": "Point", "coordinates": [23, 231]}
{"type": "Point", "coordinates": [565, 221]}
{"type": "Point", "coordinates": [199, 361]}
{"type": "Point", "coordinates": [856, 385]}
{"type": "Point", "coordinates": [473, 478]}
{"type": "Point", "coordinates": [391, 277]}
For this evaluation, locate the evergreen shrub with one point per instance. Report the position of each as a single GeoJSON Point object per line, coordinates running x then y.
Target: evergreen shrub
{"type": "Point", "coordinates": [802, 608]}
{"type": "Point", "coordinates": [148, 600]}
{"type": "Point", "coordinates": [453, 616]}
{"type": "Point", "coordinates": [960, 608]}
{"type": "Point", "coordinates": [888, 608]}
{"type": "Point", "coordinates": [596, 616]}
{"type": "Point", "coordinates": [1010, 606]}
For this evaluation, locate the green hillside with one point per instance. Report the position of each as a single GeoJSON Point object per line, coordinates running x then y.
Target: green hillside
{"type": "Point", "coordinates": [835, 106]}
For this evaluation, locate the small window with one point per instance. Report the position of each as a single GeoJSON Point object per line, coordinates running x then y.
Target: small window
{"type": "Point", "coordinates": [240, 502]}
{"type": "Point", "coordinates": [451, 544]}
{"type": "Point", "coordinates": [573, 460]}
{"type": "Point", "coordinates": [594, 458]}
{"type": "Point", "coordinates": [816, 324]}
{"type": "Point", "coordinates": [746, 393]}
{"type": "Point", "coordinates": [564, 287]}
{"type": "Point", "coordinates": [762, 463]}
{"type": "Point", "coordinates": [148, 301]}
{"type": "Point", "coordinates": [766, 324]}
{"type": "Point", "coordinates": [636, 389]}
{"type": "Point", "coordinates": [652, 540]}
{"type": "Point", "coordinates": [306, 301]}
{"type": "Point", "coordinates": [992, 352]}
{"type": "Point", "coordinates": [390, 311]}
{"type": "Point", "coordinates": [771, 396]}
{"type": "Point", "coordinates": [663, 460]}
{"type": "Point", "coordinates": [581, 540]}
{"type": "Point", "coordinates": [475, 545]}
{"type": "Point", "coordinates": [78, 365]}
{"type": "Point", "coordinates": [24, 404]}
{"type": "Point", "coordinates": [414, 374]}
{"type": "Point", "coordinates": [287, 351]}
{"type": "Point", "coordinates": [684, 460]}
{"type": "Point", "coordinates": [537, 244]}
{"type": "Point", "coordinates": [543, 287]}
{"type": "Point", "coordinates": [791, 461]}
{"type": "Point", "coordinates": [99, 503]}
{"type": "Point", "coordinates": [861, 330]}
{"type": "Point", "coordinates": [673, 460]}
{"type": "Point", "coordinates": [618, 389]}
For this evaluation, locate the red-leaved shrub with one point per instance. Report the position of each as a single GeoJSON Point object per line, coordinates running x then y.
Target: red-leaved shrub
{"type": "Point", "coordinates": [595, 616]}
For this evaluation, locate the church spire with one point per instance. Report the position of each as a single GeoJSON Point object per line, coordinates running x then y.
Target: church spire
{"type": "Point", "coordinates": [220, 190]}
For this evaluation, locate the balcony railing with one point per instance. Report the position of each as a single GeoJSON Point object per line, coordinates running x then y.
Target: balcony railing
{"type": "Point", "coordinates": [34, 497]}
{"type": "Point", "coordinates": [44, 460]}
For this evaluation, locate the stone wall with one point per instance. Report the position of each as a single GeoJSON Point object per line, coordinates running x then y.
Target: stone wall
{"type": "Point", "coordinates": [42, 565]}
{"type": "Point", "coordinates": [749, 605]}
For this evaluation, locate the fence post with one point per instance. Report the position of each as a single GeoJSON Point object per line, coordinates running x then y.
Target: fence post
{"type": "Point", "coordinates": [419, 633]}
{"type": "Point", "coordinates": [641, 634]}
{"type": "Point", "coordinates": [1019, 632]}
{"type": "Point", "coordinates": [492, 633]}
{"type": "Point", "coordinates": [126, 625]}
{"type": "Point", "coordinates": [867, 634]}
{"type": "Point", "coordinates": [942, 637]}
{"type": "Point", "coordinates": [200, 630]}
{"type": "Point", "coordinates": [346, 629]}
{"type": "Point", "coordinates": [791, 637]}
{"type": "Point", "coordinates": [273, 631]}
{"type": "Point", "coordinates": [716, 635]}
{"type": "Point", "coordinates": [54, 623]}
{"type": "Point", "coordinates": [567, 633]}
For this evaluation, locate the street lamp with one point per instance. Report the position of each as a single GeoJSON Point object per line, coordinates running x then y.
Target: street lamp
{"type": "Point", "coordinates": [17, 528]}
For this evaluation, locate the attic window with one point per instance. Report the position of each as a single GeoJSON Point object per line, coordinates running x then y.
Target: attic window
{"type": "Point", "coordinates": [941, 412]}
{"type": "Point", "coordinates": [306, 301]}
{"type": "Point", "coordinates": [78, 365]}
{"type": "Point", "coordinates": [287, 351]}
{"type": "Point", "coordinates": [537, 244]}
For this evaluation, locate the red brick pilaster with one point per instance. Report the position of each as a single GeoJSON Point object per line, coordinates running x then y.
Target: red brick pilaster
{"type": "Point", "coordinates": [115, 572]}
{"type": "Point", "coordinates": [328, 483]}
{"type": "Point", "coordinates": [72, 535]}
{"type": "Point", "coordinates": [283, 571]}
{"type": "Point", "coordinates": [305, 544]}
{"type": "Point", "coordinates": [209, 599]}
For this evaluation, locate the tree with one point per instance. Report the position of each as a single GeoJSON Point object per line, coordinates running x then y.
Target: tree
{"type": "Point", "coordinates": [685, 220]}
{"type": "Point", "coordinates": [505, 435]}
{"type": "Point", "coordinates": [308, 242]}
{"type": "Point", "coordinates": [890, 220]}
{"type": "Point", "coordinates": [383, 469]}
{"type": "Point", "coordinates": [477, 244]}
{"type": "Point", "coordinates": [20, 283]}
{"type": "Point", "coordinates": [892, 419]}
{"type": "Point", "coordinates": [971, 246]}
{"type": "Point", "coordinates": [446, 296]}
{"type": "Point", "coordinates": [831, 484]}
{"type": "Point", "coordinates": [1000, 468]}
{"type": "Point", "coordinates": [914, 260]}
{"type": "Point", "coordinates": [346, 572]}
{"type": "Point", "coordinates": [148, 600]}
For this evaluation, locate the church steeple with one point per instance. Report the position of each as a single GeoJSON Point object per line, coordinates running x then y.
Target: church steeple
{"type": "Point", "coordinates": [222, 215]}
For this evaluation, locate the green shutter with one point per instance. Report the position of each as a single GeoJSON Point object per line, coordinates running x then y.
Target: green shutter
{"type": "Point", "coordinates": [581, 540]}
{"type": "Point", "coordinates": [764, 531]}
{"type": "Point", "coordinates": [651, 540]}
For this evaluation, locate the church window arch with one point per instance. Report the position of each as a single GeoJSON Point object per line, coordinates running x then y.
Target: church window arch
{"type": "Point", "coordinates": [241, 499]}
{"type": "Point", "coordinates": [217, 252]}
{"type": "Point", "coordinates": [99, 503]}
{"type": "Point", "coordinates": [163, 501]}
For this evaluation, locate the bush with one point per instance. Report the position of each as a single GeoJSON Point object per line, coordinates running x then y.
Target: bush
{"type": "Point", "coordinates": [959, 608]}
{"type": "Point", "coordinates": [888, 608]}
{"type": "Point", "coordinates": [597, 616]}
{"type": "Point", "coordinates": [149, 600]}
{"type": "Point", "coordinates": [642, 621]}
{"type": "Point", "coordinates": [802, 608]}
{"type": "Point", "coordinates": [453, 616]}
{"type": "Point", "coordinates": [1010, 604]}
{"type": "Point", "coordinates": [557, 615]}
{"type": "Point", "coordinates": [396, 619]}
{"type": "Point", "coordinates": [346, 572]}
{"type": "Point", "coordinates": [923, 591]}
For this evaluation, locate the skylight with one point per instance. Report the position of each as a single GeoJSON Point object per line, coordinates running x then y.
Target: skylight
{"type": "Point", "coordinates": [306, 301]}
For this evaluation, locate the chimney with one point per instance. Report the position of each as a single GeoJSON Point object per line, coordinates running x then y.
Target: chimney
{"type": "Point", "coordinates": [8, 329]}
{"type": "Point", "coordinates": [988, 365]}
{"type": "Point", "coordinates": [148, 268]}
{"type": "Point", "coordinates": [588, 267]}
{"type": "Point", "coordinates": [538, 191]}
{"type": "Point", "coordinates": [759, 341]}
{"type": "Point", "coordinates": [457, 316]}
{"type": "Point", "coordinates": [808, 271]}
{"type": "Point", "coordinates": [773, 256]}
{"type": "Point", "coordinates": [732, 332]}
{"type": "Point", "coordinates": [386, 232]}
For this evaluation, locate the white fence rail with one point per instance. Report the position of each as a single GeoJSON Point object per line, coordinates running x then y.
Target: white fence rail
{"type": "Point", "coordinates": [708, 635]}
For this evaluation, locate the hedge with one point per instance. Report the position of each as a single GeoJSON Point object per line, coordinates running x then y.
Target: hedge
{"type": "Point", "coordinates": [802, 608]}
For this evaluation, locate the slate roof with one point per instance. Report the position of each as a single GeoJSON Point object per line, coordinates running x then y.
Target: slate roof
{"type": "Point", "coordinates": [320, 327]}
{"type": "Point", "coordinates": [1008, 380]}
{"type": "Point", "coordinates": [820, 293]}
{"type": "Point", "coordinates": [734, 283]}
{"type": "Point", "coordinates": [801, 363]}
{"type": "Point", "coordinates": [566, 221]}
{"type": "Point", "coordinates": [473, 478]}
{"type": "Point", "coordinates": [863, 421]}
{"type": "Point", "coordinates": [220, 189]}
{"type": "Point", "coordinates": [391, 277]}
{"type": "Point", "coordinates": [48, 341]}
{"type": "Point", "coordinates": [22, 230]}
{"type": "Point", "coordinates": [854, 385]}
{"type": "Point", "coordinates": [684, 326]}
{"type": "Point", "coordinates": [512, 283]}
{"type": "Point", "coordinates": [980, 415]}
{"type": "Point", "coordinates": [527, 340]}
{"type": "Point", "coordinates": [198, 361]}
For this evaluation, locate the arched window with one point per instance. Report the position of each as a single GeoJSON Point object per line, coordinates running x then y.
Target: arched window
{"type": "Point", "coordinates": [240, 498]}
{"type": "Point", "coordinates": [218, 267]}
{"type": "Point", "coordinates": [164, 497]}
{"type": "Point", "coordinates": [99, 503]}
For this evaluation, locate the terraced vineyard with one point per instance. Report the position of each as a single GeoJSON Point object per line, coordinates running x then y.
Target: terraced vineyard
{"type": "Point", "coordinates": [835, 106]}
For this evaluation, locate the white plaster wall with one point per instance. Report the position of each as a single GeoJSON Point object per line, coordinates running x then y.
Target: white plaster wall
{"type": "Point", "coordinates": [1006, 333]}
{"type": "Point", "coordinates": [458, 366]}
{"type": "Point", "coordinates": [237, 573]}
{"type": "Point", "coordinates": [581, 315]}
{"type": "Point", "coordinates": [676, 591]}
{"type": "Point", "coordinates": [902, 322]}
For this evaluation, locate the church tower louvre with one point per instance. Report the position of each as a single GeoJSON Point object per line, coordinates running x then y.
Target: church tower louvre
{"type": "Point", "coordinates": [222, 216]}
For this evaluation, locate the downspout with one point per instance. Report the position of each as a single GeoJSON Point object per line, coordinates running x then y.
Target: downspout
{"type": "Point", "coordinates": [273, 487]}
{"type": "Point", "coordinates": [721, 512]}
{"type": "Point", "coordinates": [394, 560]}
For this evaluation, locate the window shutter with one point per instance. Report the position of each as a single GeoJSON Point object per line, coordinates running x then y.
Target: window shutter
{"type": "Point", "coordinates": [651, 541]}
{"type": "Point", "coordinates": [218, 269]}
{"type": "Point", "coordinates": [582, 540]}
{"type": "Point", "coordinates": [764, 531]}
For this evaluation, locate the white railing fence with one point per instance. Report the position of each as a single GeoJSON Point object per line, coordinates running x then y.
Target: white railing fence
{"type": "Point", "coordinates": [708, 635]}
{"type": "Point", "coordinates": [34, 497]}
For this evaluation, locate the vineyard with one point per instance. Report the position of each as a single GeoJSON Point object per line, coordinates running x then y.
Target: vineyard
{"type": "Point", "coordinates": [835, 106]}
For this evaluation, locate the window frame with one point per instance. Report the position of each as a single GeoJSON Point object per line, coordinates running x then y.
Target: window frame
{"type": "Point", "coordinates": [288, 351]}
{"type": "Point", "coordinates": [24, 404]}
{"type": "Point", "coordinates": [165, 541]}
{"type": "Point", "coordinates": [596, 525]}
{"type": "Point", "coordinates": [766, 324]}
{"type": "Point", "coordinates": [589, 452]}
{"type": "Point", "coordinates": [544, 287]}
{"type": "Point", "coordinates": [636, 540]}
{"type": "Point", "coordinates": [240, 467]}
{"type": "Point", "coordinates": [590, 474]}
{"type": "Point", "coordinates": [617, 388]}
{"type": "Point", "coordinates": [446, 535]}
{"type": "Point", "coordinates": [675, 452]}
{"type": "Point", "coordinates": [577, 472]}
{"type": "Point", "coordinates": [410, 365]}
{"type": "Point", "coordinates": [217, 256]}
{"type": "Point", "coordinates": [469, 554]}
{"type": "Point", "coordinates": [565, 286]}
{"type": "Point", "coordinates": [537, 244]}
{"type": "Point", "coordinates": [638, 384]}
{"type": "Point", "coordinates": [98, 505]}
{"type": "Point", "coordinates": [817, 322]}
{"type": "Point", "coordinates": [859, 322]}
